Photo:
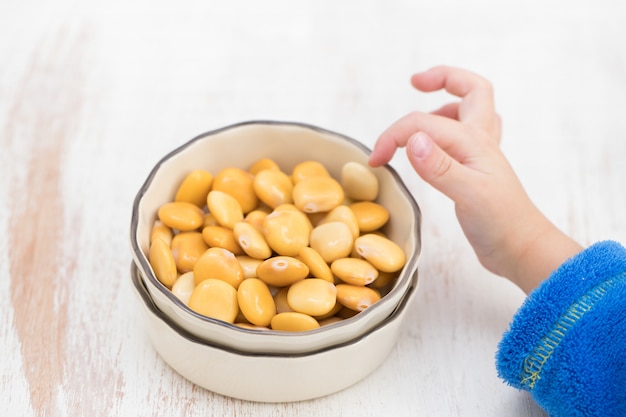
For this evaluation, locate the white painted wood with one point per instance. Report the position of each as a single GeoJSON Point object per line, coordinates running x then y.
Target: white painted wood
{"type": "Point", "coordinates": [92, 94]}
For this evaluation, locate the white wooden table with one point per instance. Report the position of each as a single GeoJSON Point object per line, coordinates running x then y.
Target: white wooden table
{"type": "Point", "coordinates": [92, 94]}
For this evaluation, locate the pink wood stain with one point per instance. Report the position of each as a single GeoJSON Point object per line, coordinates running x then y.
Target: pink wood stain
{"type": "Point", "coordinates": [43, 247]}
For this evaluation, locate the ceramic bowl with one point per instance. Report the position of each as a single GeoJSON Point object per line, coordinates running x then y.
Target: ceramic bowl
{"type": "Point", "coordinates": [270, 377]}
{"type": "Point", "coordinates": [287, 144]}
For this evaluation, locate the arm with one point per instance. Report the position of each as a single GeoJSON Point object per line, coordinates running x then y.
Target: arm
{"type": "Point", "coordinates": [567, 343]}
{"type": "Point", "coordinates": [456, 150]}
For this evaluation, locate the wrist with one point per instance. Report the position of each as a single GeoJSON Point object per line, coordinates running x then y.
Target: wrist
{"type": "Point", "coordinates": [543, 250]}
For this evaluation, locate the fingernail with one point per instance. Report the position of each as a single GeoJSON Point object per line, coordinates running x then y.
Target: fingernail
{"type": "Point", "coordinates": [420, 145]}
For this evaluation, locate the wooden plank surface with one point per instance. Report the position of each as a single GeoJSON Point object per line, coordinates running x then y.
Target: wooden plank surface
{"type": "Point", "coordinates": [93, 94]}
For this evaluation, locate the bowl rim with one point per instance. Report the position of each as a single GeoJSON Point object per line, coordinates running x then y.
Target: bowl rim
{"type": "Point", "coordinates": [397, 313]}
{"type": "Point", "coordinates": [143, 264]}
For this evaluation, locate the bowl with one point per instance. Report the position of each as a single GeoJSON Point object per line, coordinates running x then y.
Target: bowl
{"type": "Point", "coordinates": [287, 143]}
{"type": "Point", "coordinates": [276, 377]}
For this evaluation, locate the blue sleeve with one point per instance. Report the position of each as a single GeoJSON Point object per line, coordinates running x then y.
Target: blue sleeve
{"type": "Point", "coordinates": [567, 343]}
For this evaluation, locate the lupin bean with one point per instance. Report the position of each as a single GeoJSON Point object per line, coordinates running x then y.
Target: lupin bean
{"type": "Point", "coordinates": [267, 250]}
{"type": "Point", "coordinates": [248, 265]}
{"type": "Point", "coordinates": [163, 263]}
{"type": "Point", "coordinates": [237, 183]}
{"type": "Point", "coordinates": [273, 187]}
{"type": "Point", "coordinates": [317, 265]}
{"type": "Point", "coordinates": [161, 231]}
{"type": "Point", "coordinates": [354, 271]}
{"type": "Point", "coordinates": [187, 247]}
{"type": "Point", "coordinates": [343, 214]}
{"type": "Point", "coordinates": [221, 237]}
{"type": "Point", "coordinates": [293, 322]}
{"type": "Point", "coordinates": [251, 241]}
{"type": "Point", "coordinates": [256, 302]}
{"type": "Point", "coordinates": [308, 169]}
{"type": "Point", "coordinates": [261, 164]}
{"type": "Point", "coordinates": [280, 299]}
{"type": "Point", "coordinates": [225, 208]}
{"type": "Point", "coordinates": [381, 252]}
{"type": "Point", "coordinates": [281, 271]}
{"type": "Point", "coordinates": [184, 286]}
{"type": "Point", "coordinates": [312, 296]}
{"type": "Point", "coordinates": [359, 182]}
{"type": "Point", "coordinates": [195, 187]}
{"type": "Point", "coordinates": [356, 297]}
{"type": "Point", "coordinates": [370, 216]}
{"type": "Point", "coordinates": [256, 218]}
{"type": "Point", "coordinates": [286, 231]}
{"type": "Point", "coordinates": [181, 216]}
{"type": "Point", "coordinates": [218, 263]}
{"type": "Point", "coordinates": [332, 240]}
{"type": "Point", "coordinates": [215, 298]}
{"type": "Point", "coordinates": [317, 194]}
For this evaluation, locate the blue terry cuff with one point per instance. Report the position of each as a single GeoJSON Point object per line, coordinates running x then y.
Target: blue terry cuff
{"type": "Point", "coordinates": [567, 343]}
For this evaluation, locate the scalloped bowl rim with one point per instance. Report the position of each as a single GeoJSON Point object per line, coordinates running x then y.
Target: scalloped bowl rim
{"type": "Point", "coordinates": [268, 340]}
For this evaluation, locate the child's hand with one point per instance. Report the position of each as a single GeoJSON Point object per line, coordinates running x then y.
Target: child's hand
{"type": "Point", "coordinates": [456, 150]}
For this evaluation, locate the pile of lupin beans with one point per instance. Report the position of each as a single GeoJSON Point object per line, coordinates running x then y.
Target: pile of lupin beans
{"type": "Point", "coordinates": [265, 249]}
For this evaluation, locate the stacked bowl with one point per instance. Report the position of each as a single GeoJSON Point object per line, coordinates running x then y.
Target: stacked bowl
{"type": "Point", "coordinates": [269, 365]}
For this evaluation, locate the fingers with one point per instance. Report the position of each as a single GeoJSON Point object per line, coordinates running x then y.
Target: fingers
{"type": "Point", "coordinates": [450, 110]}
{"type": "Point", "coordinates": [477, 104]}
{"type": "Point", "coordinates": [448, 133]}
{"type": "Point", "coordinates": [435, 166]}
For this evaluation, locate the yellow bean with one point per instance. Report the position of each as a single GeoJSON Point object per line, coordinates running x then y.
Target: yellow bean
{"type": "Point", "coordinates": [187, 247]}
{"type": "Point", "coordinates": [315, 194]}
{"type": "Point", "coordinates": [184, 286]}
{"type": "Point", "coordinates": [216, 299]}
{"type": "Point", "coordinates": [248, 265]}
{"type": "Point", "coordinates": [342, 214]}
{"type": "Point", "coordinates": [209, 220]}
{"type": "Point", "coordinates": [291, 207]}
{"type": "Point", "coordinates": [308, 169]}
{"type": "Point", "coordinates": [384, 279]}
{"type": "Point", "coordinates": [329, 320]}
{"type": "Point", "coordinates": [280, 299]}
{"type": "Point", "coordinates": [286, 231]}
{"type": "Point", "coordinates": [315, 218]}
{"type": "Point", "coordinates": [293, 322]}
{"type": "Point", "coordinates": [162, 262]}
{"type": "Point", "coordinates": [354, 271]}
{"type": "Point", "coordinates": [225, 208]}
{"type": "Point", "coordinates": [256, 219]}
{"type": "Point", "coordinates": [381, 252]}
{"type": "Point", "coordinates": [331, 313]}
{"type": "Point", "coordinates": [332, 240]}
{"type": "Point", "coordinates": [251, 241]}
{"type": "Point", "coordinates": [369, 215]}
{"type": "Point", "coordinates": [256, 302]}
{"type": "Point", "coordinates": [312, 296]}
{"type": "Point", "coordinates": [345, 312]}
{"type": "Point", "coordinates": [273, 187]}
{"type": "Point", "coordinates": [317, 265]}
{"type": "Point", "coordinates": [161, 231]}
{"type": "Point", "coordinates": [262, 164]}
{"type": "Point", "coordinates": [356, 297]}
{"type": "Point", "coordinates": [218, 263]}
{"type": "Point", "coordinates": [237, 183]}
{"type": "Point", "coordinates": [181, 216]}
{"type": "Point", "coordinates": [195, 187]}
{"type": "Point", "coordinates": [281, 271]}
{"type": "Point", "coordinates": [222, 237]}
{"type": "Point", "coordinates": [359, 182]}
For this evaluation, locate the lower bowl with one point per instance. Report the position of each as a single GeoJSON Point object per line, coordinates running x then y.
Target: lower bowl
{"type": "Point", "coordinates": [270, 377]}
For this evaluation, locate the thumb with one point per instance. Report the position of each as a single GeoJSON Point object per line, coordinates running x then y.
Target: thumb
{"type": "Point", "coordinates": [435, 166]}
